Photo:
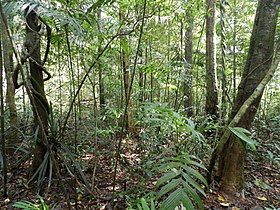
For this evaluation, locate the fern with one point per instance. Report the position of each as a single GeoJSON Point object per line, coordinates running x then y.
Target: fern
{"type": "Point", "coordinates": [179, 184]}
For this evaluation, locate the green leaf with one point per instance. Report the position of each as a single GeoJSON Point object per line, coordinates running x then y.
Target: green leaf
{"type": "Point", "coordinates": [193, 183]}
{"type": "Point", "coordinates": [187, 160]}
{"type": "Point", "coordinates": [170, 186]}
{"type": "Point", "coordinates": [153, 205]}
{"type": "Point", "coordinates": [173, 200]}
{"type": "Point", "coordinates": [77, 165]}
{"type": "Point", "coordinates": [187, 203]}
{"type": "Point", "coordinates": [194, 195]}
{"type": "Point", "coordinates": [144, 204]}
{"type": "Point", "coordinates": [167, 177]}
{"type": "Point", "coordinates": [43, 169]}
{"type": "Point", "coordinates": [241, 134]}
{"type": "Point", "coordinates": [169, 165]}
{"type": "Point", "coordinates": [26, 205]}
{"type": "Point", "coordinates": [139, 206]}
{"type": "Point", "coordinates": [195, 174]}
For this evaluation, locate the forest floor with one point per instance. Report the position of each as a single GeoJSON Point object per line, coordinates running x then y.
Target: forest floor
{"type": "Point", "coordinates": [262, 175]}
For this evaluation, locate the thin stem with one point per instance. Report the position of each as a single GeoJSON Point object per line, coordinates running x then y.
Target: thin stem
{"type": "Point", "coordinates": [127, 102]}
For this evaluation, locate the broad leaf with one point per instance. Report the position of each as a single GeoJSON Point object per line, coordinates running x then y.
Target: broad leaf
{"type": "Point", "coordinates": [241, 134]}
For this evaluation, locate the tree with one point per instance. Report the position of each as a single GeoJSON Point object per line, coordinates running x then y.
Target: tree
{"type": "Point", "coordinates": [12, 133]}
{"type": "Point", "coordinates": [188, 59]}
{"type": "Point", "coordinates": [2, 120]}
{"type": "Point", "coordinates": [102, 102]}
{"type": "Point", "coordinates": [211, 75]}
{"type": "Point", "coordinates": [129, 124]}
{"type": "Point", "coordinates": [259, 59]}
{"type": "Point", "coordinates": [38, 98]}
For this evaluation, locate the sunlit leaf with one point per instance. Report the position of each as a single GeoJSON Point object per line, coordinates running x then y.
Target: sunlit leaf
{"type": "Point", "coordinates": [221, 198]}
{"type": "Point", "coordinates": [262, 198]}
{"type": "Point", "coordinates": [225, 204]}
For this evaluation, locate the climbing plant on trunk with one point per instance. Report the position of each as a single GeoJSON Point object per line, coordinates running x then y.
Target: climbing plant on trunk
{"type": "Point", "coordinates": [255, 74]}
{"type": "Point", "coordinates": [39, 101]}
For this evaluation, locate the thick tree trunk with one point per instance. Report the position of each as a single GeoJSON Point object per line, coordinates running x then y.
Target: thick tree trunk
{"type": "Point", "coordinates": [39, 102]}
{"type": "Point", "coordinates": [12, 133]}
{"type": "Point", "coordinates": [231, 164]}
{"type": "Point", "coordinates": [211, 75]}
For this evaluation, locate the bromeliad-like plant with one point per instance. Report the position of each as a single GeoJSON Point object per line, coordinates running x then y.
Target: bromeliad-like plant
{"type": "Point", "coordinates": [181, 184]}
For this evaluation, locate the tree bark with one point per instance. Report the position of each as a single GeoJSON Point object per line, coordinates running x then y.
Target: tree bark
{"type": "Point", "coordinates": [2, 120]}
{"type": "Point", "coordinates": [224, 102]}
{"type": "Point", "coordinates": [259, 59]}
{"type": "Point", "coordinates": [129, 123]}
{"type": "Point", "coordinates": [39, 104]}
{"type": "Point", "coordinates": [211, 103]}
{"type": "Point", "coordinates": [12, 133]}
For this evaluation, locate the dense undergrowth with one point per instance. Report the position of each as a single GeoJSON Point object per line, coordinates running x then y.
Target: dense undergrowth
{"type": "Point", "coordinates": [161, 165]}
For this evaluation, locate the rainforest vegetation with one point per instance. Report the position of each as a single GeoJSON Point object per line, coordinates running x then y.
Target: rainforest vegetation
{"type": "Point", "coordinates": [140, 104]}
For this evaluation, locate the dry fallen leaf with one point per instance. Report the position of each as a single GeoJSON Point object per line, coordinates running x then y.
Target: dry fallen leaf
{"type": "Point", "coordinates": [221, 198]}
{"type": "Point", "coordinates": [225, 204]}
{"type": "Point", "coordinates": [262, 198]}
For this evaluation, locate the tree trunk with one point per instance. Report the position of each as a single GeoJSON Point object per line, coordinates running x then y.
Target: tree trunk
{"type": "Point", "coordinates": [224, 102]}
{"type": "Point", "coordinates": [39, 102]}
{"type": "Point", "coordinates": [231, 164]}
{"type": "Point", "coordinates": [211, 75]}
{"type": "Point", "coordinates": [2, 120]}
{"type": "Point", "coordinates": [129, 124]}
{"type": "Point", "coordinates": [12, 133]}
{"type": "Point", "coordinates": [188, 60]}
{"type": "Point", "coordinates": [102, 101]}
